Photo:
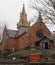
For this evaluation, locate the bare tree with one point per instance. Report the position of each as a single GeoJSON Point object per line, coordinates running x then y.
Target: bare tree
{"type": "Point", "coordinates": [2, 26]}
{"type": "Point", "coordinates": [47, 9]}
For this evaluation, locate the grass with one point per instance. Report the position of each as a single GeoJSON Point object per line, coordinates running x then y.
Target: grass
{"type": "Point", "coordinates": [27, 52]}
{"type": "Point", "coordinates": [53, 51]}
{"type": "Point", "coordinates": [31, 52]}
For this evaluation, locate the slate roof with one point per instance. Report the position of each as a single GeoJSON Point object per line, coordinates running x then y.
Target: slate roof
{"type": "Point", "coordinates": [11, 33]}
{"type": "Point", "coordinates": [22, 30]}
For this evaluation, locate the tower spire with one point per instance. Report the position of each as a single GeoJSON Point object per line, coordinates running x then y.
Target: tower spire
{"type": "Point", "coordinates": [23, 10]}
{"type": "Point", "coordinates": [23, 19]}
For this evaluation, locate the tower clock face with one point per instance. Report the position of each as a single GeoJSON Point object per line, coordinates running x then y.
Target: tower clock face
{"type": "Point", "coordinates": [39, 33]}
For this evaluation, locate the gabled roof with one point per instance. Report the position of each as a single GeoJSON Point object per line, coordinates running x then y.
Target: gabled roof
{"type": "Point", "coordinates": [40, 21]}
{"type": "Point", "coordinates": [45, 38]}
{"type": "Point", "coordinates": [11, 33]}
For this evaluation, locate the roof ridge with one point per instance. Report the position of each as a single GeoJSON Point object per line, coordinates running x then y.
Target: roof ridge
{"type": "Point", "coordinates": [11, 30]}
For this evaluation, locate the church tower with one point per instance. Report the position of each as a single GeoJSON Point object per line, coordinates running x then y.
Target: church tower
{"type": "Point", "coordinates": [23, 25]}
{"type": "Point", "coordinates": [23, 19]}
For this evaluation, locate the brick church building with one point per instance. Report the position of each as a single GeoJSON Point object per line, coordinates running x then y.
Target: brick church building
{"type": "Point", "coordinates": [36, 36]}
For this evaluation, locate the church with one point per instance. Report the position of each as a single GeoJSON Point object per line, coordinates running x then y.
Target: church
{"type": "Point", "coordinates": [36, 36]}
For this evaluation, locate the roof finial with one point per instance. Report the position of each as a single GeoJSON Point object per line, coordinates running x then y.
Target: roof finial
{"type": "Point", "coordinates": [40, 18]}
{"type": "Point", "coordinates": [39, 14]}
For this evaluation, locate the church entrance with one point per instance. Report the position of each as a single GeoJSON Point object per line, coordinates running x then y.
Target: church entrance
{"type": "Point", "coordinates": [45, 45]}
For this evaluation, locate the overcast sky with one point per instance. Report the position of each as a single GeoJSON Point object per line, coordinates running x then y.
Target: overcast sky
{"type": "Point", "coordinates": [10, 11]}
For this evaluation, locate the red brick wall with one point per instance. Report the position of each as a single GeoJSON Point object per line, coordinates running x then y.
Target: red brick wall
{"type": "Point", "coordinates": [11, 43]}
{"type": "Point", "coordinates": [25, 39]}
{"type": "Point", "coordinates": [34, 29]}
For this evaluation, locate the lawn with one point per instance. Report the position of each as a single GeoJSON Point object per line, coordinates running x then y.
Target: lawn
{"type": "Point", "coordinates": [31, 52]}
{"type": "Point", "coordinates": [26, 52]}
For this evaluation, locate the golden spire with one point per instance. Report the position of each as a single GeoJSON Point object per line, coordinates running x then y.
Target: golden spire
{"type": "Point", "coordinates": [23, 19]}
